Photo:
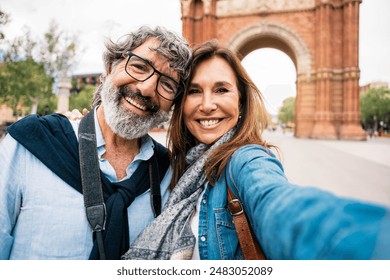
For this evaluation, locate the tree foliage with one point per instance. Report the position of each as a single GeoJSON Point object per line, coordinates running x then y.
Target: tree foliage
{"type": "Point", "coordinates": [32, 66]}
{"type": "Point", "coordinates": [375, 106]}
{"type": "Point", "coordinates": [287, 111]}
{"type": "Point", "coordinates": [83, 98]}
{"type": "Point", "coordinates": [47, 105]}
{"type": "Point", "coordinates": [24, 82]}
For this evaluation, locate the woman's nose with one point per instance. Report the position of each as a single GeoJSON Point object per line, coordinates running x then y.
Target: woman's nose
{"type": "Point", "coordinates": [208, 103]}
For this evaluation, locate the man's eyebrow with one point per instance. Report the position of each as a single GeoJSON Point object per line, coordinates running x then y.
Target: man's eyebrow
{"type": "Point", "coordinates": [147, 60]}
{"type": "Point", "coordinates": [151, 63]}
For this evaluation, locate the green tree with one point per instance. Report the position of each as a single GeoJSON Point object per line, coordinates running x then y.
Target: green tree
{"type": "Point", "coordinates": [24, 82]}
{"type": "Point", "coordinates": [39, 61]}
{"type": "Point", "coordinates": [82, 99]}
{"type": "Point", "coordinates": [287, 111]}
{"type": "Point", "coordinates": [375, 107]}
{"type": "Point", "coordinates": [47, 105]}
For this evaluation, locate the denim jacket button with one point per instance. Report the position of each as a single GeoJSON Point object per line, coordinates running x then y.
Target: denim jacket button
{"type": "Point", "coordinates": [202, 238]}
{"type": "Point", "coordinates": [204, 201]}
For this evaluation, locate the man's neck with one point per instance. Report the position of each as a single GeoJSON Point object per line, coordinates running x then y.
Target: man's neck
{"type": "Point", "coordinates": [120, 152]}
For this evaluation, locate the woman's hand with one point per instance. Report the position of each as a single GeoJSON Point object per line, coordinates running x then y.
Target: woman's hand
{"type": "Point", "coordinates": [75, 114]}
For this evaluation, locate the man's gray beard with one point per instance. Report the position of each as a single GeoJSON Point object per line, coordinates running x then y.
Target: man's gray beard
{"type": "Point", "coordinates": [124, 122]}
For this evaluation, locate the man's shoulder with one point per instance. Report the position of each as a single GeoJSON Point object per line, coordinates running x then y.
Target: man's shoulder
{"type": "Point", "coordinates": [44, 135]}
{"type": "Point", "coordinates": [32, 124]}
{"type": "Point", "coordinates": [8, 144]}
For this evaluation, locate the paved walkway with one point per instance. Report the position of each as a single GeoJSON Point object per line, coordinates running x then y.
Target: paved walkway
{"type": "Point", "coordinates": [358, 169]}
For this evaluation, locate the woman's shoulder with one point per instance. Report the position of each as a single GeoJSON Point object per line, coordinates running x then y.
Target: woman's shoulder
{"type": "Point", "coordinates": [256, 154]}
{"type": "Point", "coordinates": [253, 150]}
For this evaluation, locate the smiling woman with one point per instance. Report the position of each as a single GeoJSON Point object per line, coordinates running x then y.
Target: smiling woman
{"type": "Point", "coordinates": [208, 91]}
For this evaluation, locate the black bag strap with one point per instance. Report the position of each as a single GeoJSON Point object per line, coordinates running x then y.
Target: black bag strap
{"type": "Point", "coordinates": [91, 181]}
{"type": "Point", "coordinates": [155, 192]}
{"type": "Point", "coordinates": [157, 171]}
{"type": "Point", "coordinates": [90, 178]}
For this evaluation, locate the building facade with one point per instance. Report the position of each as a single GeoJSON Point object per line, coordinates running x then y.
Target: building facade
{"type": "Point", "coordinates": [321, 38]}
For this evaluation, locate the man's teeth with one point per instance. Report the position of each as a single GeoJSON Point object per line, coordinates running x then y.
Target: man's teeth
{"type": "Point", "coordinates": [209, 122]}
{"type": "Point", "coordinates": [135, 103]}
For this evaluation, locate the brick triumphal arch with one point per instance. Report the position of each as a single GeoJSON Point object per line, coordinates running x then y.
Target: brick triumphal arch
{"type": "Point", "coordinates": [321, 38]}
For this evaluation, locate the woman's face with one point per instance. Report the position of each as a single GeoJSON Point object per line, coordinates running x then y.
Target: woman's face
{"type": "Point", "coordinates": [211, 107]}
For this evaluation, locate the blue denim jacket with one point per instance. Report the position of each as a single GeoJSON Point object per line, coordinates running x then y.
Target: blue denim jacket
{"type": "Point", "coordinates": [291, 222]}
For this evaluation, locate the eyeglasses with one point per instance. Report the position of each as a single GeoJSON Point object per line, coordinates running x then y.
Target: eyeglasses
{"type": "Point", "coordinates": [141, 70]}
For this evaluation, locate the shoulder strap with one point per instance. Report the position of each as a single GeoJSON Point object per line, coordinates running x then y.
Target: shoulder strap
{"type": "Point", "coordinates": [162, 157]}
{"type": "Point", "coordinates": [156, 174]}
{"type": "Point", "coordinates": [90, 179]}
{"type": "Point", "coordinates": [249, 245]}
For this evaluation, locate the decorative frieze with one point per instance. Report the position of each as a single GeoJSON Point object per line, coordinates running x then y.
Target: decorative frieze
{"type": "Point", "coordinates": [245, 7]}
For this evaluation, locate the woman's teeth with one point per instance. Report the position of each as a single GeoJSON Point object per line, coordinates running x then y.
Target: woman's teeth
{"type": "Point", "coordinates": [208, 122]}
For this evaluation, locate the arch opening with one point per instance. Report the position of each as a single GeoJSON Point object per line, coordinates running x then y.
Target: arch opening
{"type": "Point", "coordinates": [274, 73]}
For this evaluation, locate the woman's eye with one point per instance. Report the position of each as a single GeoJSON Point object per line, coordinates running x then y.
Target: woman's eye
{"type": "Point", "coordinates": [222, 90]}
{"type": "Point", "coordinates": [193, 91]}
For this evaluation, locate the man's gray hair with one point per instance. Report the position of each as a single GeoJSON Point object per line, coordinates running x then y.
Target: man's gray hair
{"type": "Point", "coordinates": [173, 47]}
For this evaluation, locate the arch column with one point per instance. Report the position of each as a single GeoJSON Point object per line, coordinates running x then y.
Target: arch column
{"type": "Point", "coordinates": [351, 128]}
{"type": "Point", "coordinates": [187, 19]}
{"type": "Point", "coordinates": [324, 117]}
{"type": "Point", "coordinates": [198, 20]}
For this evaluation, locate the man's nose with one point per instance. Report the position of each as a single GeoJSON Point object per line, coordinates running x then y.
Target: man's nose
{"type": "Point", "coordinates": [148, 87]}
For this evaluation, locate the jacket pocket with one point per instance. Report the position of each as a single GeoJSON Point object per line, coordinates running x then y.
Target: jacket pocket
{"type": "Point", "coordinates": [227, 237]}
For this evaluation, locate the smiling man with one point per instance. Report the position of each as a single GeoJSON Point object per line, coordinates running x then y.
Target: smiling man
{"type": "Point", "coordinates": [42, 209]}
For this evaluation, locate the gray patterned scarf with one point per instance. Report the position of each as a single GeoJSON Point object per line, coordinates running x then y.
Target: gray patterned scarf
{"type": "Point", "coordinates": [170, 236]}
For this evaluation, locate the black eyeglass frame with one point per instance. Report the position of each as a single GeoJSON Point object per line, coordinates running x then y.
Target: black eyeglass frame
{"type": "Point", "coordinates": [180, 86]}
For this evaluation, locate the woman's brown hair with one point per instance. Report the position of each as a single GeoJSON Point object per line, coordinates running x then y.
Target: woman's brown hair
{"type": "Point", "coordinates": [253, 117]}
